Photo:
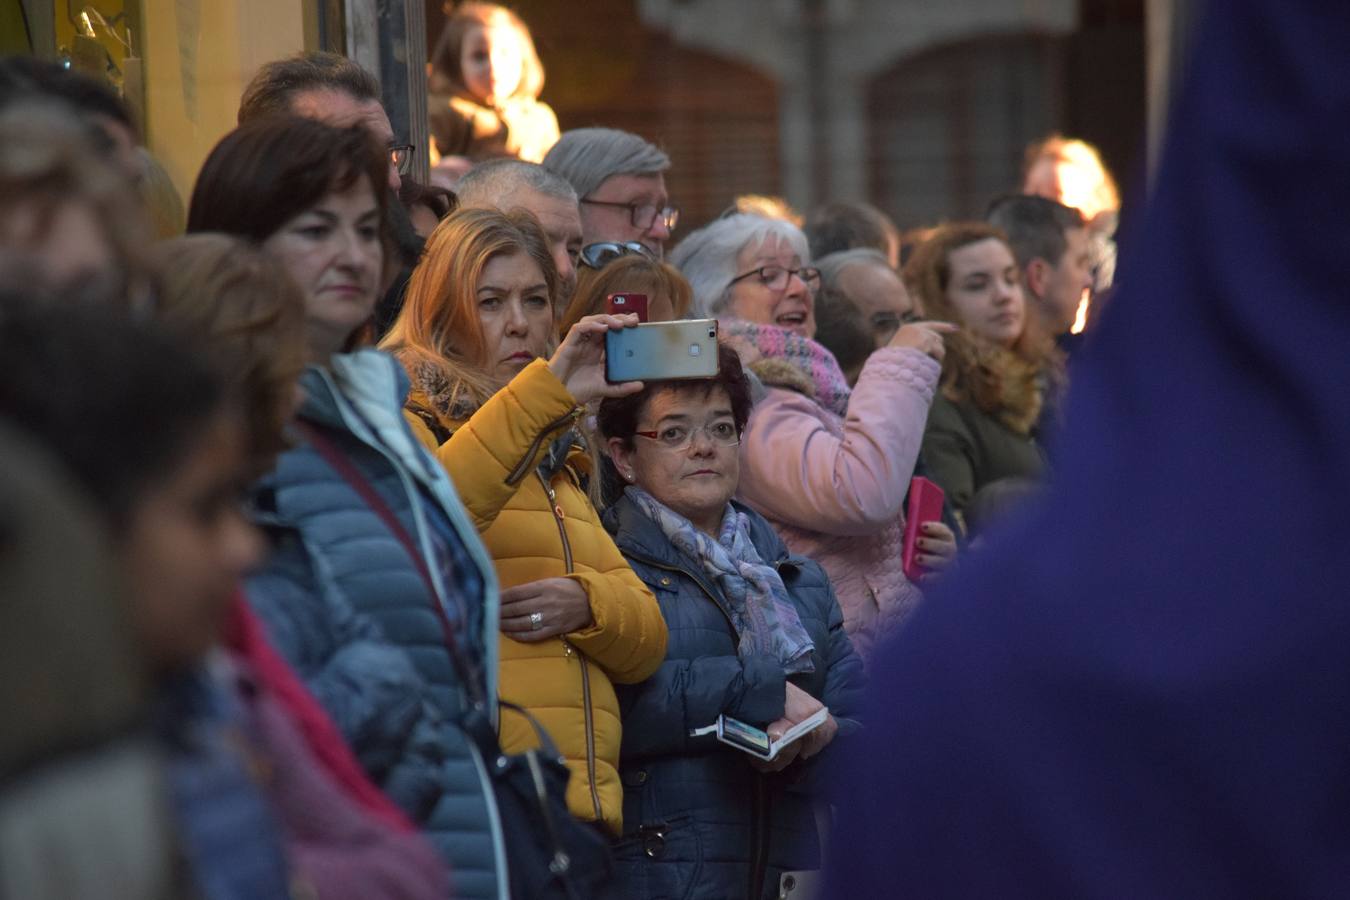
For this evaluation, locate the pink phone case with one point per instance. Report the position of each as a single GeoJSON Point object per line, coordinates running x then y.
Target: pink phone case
{"type": "Point", "coordinates": [627, 303]}
{"type": "Point", "coordinates": [925, 505]}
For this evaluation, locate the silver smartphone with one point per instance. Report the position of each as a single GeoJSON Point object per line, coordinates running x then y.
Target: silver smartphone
{"type": "Point", "coordinates": [660, 351]}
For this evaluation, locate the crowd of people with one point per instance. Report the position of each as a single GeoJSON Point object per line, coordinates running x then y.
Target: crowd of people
{"type": "Point", "coordinates": [371, 584]}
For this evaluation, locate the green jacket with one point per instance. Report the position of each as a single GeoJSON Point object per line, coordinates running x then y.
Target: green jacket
{"type": "Point", "coordinates": [965, 449]}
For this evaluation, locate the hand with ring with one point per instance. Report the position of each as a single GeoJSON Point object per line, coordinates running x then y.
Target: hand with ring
{"type": "Point", "coordinates": [544, 609]}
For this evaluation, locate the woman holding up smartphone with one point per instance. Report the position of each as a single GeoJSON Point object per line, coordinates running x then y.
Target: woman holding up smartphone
{"type": "Point", "coordinates": [829, 466]}
{"type": "Point", "coordinates": [499, 405]}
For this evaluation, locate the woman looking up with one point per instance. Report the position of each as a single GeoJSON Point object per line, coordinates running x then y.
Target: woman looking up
{"type": "Point", "coordinates": [980, 430]}
{"type": "Point", "coordinates": [498, 405]}
{"type": "Point", "coordinates": [755, 634]}
{"type": "Point", "coordinates": [376, 588]}
{"type": "Point", "coordinates": [828, 466]}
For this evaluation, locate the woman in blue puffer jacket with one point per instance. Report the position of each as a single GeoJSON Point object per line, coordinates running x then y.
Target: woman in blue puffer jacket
{"type": "Point", "coordinates": [756, 634]}
{"type": "Point", "coordinates": [376, 589]}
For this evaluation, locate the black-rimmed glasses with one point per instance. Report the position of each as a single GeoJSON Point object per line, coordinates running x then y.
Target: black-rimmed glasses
{"type": "Point", "coordinates": [401, 156]}
{"type": "Point", "coordinates": [642, 215]}
{"type": "Point", "coordinates": [776, 278]}
{"type": "Point", "coordinates": [602, 253]}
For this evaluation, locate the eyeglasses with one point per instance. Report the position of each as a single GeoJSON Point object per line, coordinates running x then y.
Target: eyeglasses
{"type": "Point", "coordinates": [889, 323]}
{"type": "Point", "coordinates": [401, 157]}
{"type": "Point", "coordinates": [599, 255]}
{"type": "Point", "coordinates": [679, 437]}
{"type": "Point", "coordinates": [776, 278]}
{"type": "Point", "coordinates": [642, 215]}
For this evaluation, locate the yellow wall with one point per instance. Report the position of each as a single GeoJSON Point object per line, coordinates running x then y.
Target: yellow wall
{"type": "Point", "coordinates": [199, 54]}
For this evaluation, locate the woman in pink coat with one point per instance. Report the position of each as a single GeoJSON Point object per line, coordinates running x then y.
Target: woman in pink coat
{"type": "Point", "coordinates": [828, 466]}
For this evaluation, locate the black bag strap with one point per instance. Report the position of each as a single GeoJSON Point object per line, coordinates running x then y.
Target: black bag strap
{"type": "Point", "coordinates": [359, 483]}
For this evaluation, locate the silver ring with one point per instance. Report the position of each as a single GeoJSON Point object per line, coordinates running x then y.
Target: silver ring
{"type": "Point", "coordinates": [536, 621]}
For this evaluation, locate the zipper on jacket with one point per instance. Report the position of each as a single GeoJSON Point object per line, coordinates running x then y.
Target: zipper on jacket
{"type": "Point", "coordinates": [523, 467]}
{"type": "Point", "coordinates": [759, 837]}
{"type": "Point", "coordinates": [569, 650]}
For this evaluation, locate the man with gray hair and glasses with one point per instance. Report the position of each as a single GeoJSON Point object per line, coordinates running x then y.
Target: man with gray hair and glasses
{"type": "Point", "coordinates": [620, 180]}
{"type": "Point", "coordinates": [508, 184]}
{"type": "Point", "coordinates": [865, 279]}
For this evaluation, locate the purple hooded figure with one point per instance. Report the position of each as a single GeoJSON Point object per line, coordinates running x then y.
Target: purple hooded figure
{"type": "Point", "coordinates": [1142, 687]}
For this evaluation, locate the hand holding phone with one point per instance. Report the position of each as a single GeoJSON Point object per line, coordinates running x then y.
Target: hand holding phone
{"type": "Point", "coordinates": [579, 361]}
{"type": "Point", "coordinates": [925, 505]}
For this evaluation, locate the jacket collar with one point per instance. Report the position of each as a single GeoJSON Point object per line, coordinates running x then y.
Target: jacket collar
{"type": "Point", "coordinates": [634, 532]}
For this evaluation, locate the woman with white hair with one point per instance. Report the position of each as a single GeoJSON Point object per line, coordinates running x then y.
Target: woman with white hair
{"type": "Point", "coordinates": [828, 466]}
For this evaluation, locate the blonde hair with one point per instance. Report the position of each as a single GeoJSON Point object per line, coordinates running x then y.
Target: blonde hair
{"type": "Point", "coordinates": [449, 50]}
{"type": "Point", "coordinates": [1003, 382]}
{"type": "Point", "coordinates": [1092, 192]}
{"type": "Point", "coordinates": [438, 333]}
{"type": "Point", "coordinates": [635, 274]}
{"type": "Point", "coordinates": [238, 305]}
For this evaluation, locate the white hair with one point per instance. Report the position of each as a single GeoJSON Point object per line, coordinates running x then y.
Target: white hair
{"type": "Point", "coordinates": [487, 183]}
{"type": "Point", "coordinates": [588, 156]}
{"type": "Point", "coordinates": [707, 257]}
{"type": "Point", "coordinates": [833, 265]}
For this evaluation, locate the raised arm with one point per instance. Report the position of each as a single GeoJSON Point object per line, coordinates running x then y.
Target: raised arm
{"type": "Point", "coordinates": [795, 469]}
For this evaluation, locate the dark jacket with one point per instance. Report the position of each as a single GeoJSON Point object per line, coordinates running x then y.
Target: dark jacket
{"type": "Point", "coordinates": [344, 604]}
{"type": "Point", "coordinates": [966, 449]}
{"type": "Point", "coordinates": [695, 812]}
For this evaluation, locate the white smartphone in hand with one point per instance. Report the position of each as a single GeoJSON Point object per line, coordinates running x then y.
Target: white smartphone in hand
{"type": "Point", "coordinates": [756, 741]}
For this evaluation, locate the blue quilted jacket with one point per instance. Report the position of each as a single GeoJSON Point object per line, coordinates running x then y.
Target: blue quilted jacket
{"type": "Point", "coordinates": [345, 605]}
{"type": "Point", "coordinates": [699, 822]}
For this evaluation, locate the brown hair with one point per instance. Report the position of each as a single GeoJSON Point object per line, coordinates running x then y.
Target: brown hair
{"type": "Point", "coordinates": [449, 48]}
{"type": "Point", "coordinates": [274, 87]}
{"type": "Point", "coordinates": [1002, 382]}
{"type": "Point", "coordinates": [265, 173]}
{"type": "Point", "coordinates": [237, 305]}
{"type": "Point", "coordinates": [635, 274]}
{"type": "Point", "coordinates": [438, 336]}
{"type": "Point", "coordinates": [47, 162]}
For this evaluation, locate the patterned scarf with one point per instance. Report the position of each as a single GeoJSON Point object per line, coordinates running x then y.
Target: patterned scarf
{"type": "Point", "coordinates": [760, 343]}
{"type": "Point", "coordinates": [766, 622]}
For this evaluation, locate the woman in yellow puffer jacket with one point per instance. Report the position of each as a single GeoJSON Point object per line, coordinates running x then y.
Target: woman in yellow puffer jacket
{"type": "Point", "coordinates": [473, 334]}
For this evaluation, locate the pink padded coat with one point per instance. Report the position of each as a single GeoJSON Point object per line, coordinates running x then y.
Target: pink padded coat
{"type": "Point", "coordinates": [835, 488]}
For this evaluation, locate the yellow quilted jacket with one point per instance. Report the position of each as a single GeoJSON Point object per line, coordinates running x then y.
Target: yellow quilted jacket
{"type": "Point", "coordinates": [532, 529]}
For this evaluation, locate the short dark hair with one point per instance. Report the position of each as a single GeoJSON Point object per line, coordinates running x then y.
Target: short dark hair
{"type": "Point", "coordinates": [86, 95]}
{"type": "Point", "coordinates": [1035, 226]}
{"type": "Point", "coordinates": [618, 416]}
{"type": "Point", "coordinates": [153, 396]}
{"type": "Point", "coordinates": [265, 173]}
{"type": "Point", "coordinates": [441, 201]}
{"type": "Point", "coordinates": [272, 90]}
{"type": "Point", "coordinates": [847, 226]}
{"type": "Point", "coordinates": [841, 329]}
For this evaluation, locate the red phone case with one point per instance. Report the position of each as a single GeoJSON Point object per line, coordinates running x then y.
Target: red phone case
{"type": "Point", "coordinates": [627, 303]}
{"type": "Point", "coordinates": [925, 505]}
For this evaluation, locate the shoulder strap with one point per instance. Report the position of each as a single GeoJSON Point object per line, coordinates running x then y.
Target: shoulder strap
{"type": "Point", "coordinates": [359, 483]}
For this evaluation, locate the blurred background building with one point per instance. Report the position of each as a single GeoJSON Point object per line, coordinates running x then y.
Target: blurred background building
{"type": "Point", "coordinates": [924, 108]}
